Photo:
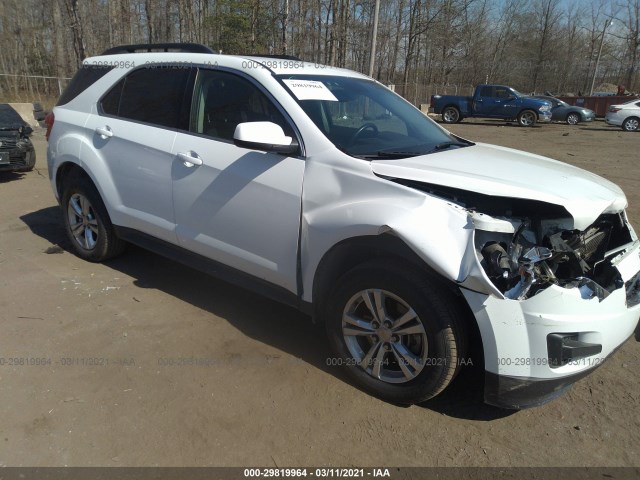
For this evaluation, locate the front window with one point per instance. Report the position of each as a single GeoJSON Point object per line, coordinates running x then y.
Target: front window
{"type": "Point", "coordinates": [223, 100]}
{"type": "Point", "coordinates": [366, 120]}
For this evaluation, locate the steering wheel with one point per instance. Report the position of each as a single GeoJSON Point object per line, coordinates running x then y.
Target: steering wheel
{"type": "Point", "coordinates": [363, 128]}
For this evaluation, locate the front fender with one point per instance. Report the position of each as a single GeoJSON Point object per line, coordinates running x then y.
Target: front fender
{"type": "Point", "coordinates": [339, 206]}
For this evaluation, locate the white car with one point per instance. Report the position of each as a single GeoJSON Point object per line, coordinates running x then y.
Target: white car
{"type": "Point", "coordinates": [321, 188]}
{"type": "Point", "coordinates": [626, 115]}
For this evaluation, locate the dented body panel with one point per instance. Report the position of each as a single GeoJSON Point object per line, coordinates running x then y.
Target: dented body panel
{"type": "Point", "coordinates": [541, 251]}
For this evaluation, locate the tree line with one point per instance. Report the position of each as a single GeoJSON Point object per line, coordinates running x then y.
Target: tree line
{"type": "Point", "coordinates": [423, 46]}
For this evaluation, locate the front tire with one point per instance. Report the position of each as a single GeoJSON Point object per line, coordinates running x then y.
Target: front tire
{"type": "Point", "coordinates": [631, 124]}
{"type": "Point", "coordinates": [527, 118]}
{"type": "Point", "coordinates": [398, 332]}
{"type": "Point", "coordinates": [87, 222]}
{"type": "Point", "coordinates": [573, 119]}
{"type": "Point", "coordinates": [451, 115]}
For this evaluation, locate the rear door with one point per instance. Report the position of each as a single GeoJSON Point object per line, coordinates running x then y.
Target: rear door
{"type": "Point", "coordinates": [133, 131]}
{"type": "Point", "coordinates": [237, 206]}
{"type": "Point", "coordinates": [483, 101]}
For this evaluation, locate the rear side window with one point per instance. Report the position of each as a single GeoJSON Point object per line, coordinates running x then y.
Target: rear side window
{"type": "Point", "coordinates": [486, 92]}
{"type": "Point", "coordinates": [156, 96]}
{"type": "Point", "coordinates": [83, 79]}
{"type": "Point", "coordinates": [111, 101]}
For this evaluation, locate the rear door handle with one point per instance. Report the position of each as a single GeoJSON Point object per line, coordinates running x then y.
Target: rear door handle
{"type": "Point", "coordinates": [104, 132]}
{"type": "Point", "coordinates": [190, 159]}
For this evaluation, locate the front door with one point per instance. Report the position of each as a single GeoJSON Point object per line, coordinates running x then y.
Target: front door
{"type": "Point", "coordinates": [237, 206]}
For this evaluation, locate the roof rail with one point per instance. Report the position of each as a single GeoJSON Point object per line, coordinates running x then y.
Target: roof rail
{"type": "Point", "coordinates": [162, 47]}
{"type": "Point", "coordinates": [282, 57]}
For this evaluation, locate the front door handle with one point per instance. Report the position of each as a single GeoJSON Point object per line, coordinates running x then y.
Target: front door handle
{"type": "Point", "coordinates": [190, 159]}
{"type": "Point", "coordinates": [105, 132]}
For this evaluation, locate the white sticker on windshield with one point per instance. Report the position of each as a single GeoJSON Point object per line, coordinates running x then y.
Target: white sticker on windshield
{"type": "Point", "coordinates": [310, 90]}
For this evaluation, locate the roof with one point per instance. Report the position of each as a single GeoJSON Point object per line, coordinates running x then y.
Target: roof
{"type": "Point", "coordinates": [278, 66]}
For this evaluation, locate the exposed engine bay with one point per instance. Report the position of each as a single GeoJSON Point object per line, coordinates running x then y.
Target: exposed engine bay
{"type": "Point", "coordinates": [542, 253]}
{"type": "Point", "coordinates": [525, 246]}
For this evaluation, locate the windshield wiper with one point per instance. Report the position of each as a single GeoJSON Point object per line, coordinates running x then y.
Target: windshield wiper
{"type": "Point", "coordinates": [445, 145]}
{"type": "Point", "coordinates": [396, 154]}
{"type": "Point", "coordinates": [392, 154]}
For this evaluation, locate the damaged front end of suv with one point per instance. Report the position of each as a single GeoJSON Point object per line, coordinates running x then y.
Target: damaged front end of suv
{"type": "Point", "coordinates": [16, 150]}
{"type": "Point", "coordinates": [554, 287]}
{"type": "Point", "coordinates": [538, 252]}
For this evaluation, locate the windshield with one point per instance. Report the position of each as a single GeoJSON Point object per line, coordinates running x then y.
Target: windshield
{"type": "Point", "coordinates": [365, 119]}
{"type": "Point", "coordinates": [9, 118]}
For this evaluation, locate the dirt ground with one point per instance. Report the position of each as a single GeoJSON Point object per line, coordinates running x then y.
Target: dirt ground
{"type": "Point", "coordinates": [86, 377]}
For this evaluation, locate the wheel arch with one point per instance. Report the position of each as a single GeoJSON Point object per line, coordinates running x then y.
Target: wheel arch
{"type": "Point", "coordinates": [354, 251]}
{"type": "Point", "coordinates": [94, 169]}
{"type": "Point", "coordinates": [349, 253]}
{"type": "Point", "coordinates": [630, 117]}
{"type": "Point", "coordinates": [457, 107]}
{"type": "Point", "coordinates": [580, 116]}
{"type": "Point", "coordinates": [68, 169]}
{"type": "Point", "coordinates": [528, 109]}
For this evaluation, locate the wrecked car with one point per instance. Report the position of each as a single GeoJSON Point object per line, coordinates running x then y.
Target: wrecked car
{"type": "Point", "coordinates": [322, 189]}
{"type": "Point", "coordinates": [16, 150]}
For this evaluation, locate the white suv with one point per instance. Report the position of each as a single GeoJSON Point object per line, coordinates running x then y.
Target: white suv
{"type": "Point", "coordinates": [321, 188]}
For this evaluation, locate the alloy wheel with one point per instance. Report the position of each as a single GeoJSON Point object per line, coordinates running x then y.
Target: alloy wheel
{"type": "Point", "coordinates": [385, 336]}
{"type": "Point", "coordinates": [82, 221]}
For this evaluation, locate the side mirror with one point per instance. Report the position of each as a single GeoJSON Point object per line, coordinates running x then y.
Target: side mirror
{"type": "Point", "coordinates": [266, 136]}
{"type": "Point", "coordinates": [27, 130]}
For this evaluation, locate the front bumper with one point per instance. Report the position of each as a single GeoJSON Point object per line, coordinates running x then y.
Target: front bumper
{"type": "Point", "coordinates": [521, 371]}
{"type": "Point", "coordinates": [516, 393]}
{"type": "Point", "coordinates": [17, 159]}
{"type": "Point", "coordinates": [544, 116]}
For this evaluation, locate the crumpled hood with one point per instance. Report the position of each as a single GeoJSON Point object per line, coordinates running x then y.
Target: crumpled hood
{"type": "Point", "coordinates": [506, 172]}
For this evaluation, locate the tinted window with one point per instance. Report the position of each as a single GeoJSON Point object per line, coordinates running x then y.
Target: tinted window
{"type": "Point", "coordinates": [83, 79]}
{"type": "Point", "coordinates": [502, 92]}
{"type": "Point", "coordinates": [151, 95]}
{"type": "Point", "coordinates": [111, 101]}
{"type": "Point", "coordinates": [223, 100]}
{"type": "Point", "coordinates": [486, 92]}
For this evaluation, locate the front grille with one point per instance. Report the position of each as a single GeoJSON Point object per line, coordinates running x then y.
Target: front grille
{"type": "Point", "coordinates": [19, 160]}
{"type": "Point", "coordinates": [8, 143]}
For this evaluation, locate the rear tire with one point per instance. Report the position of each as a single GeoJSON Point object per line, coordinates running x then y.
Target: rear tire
{"type": "Point", "coordinates": [87, 222]}
{"type": "Point", "coordinates": [631, 124]}
{"type": "Point", "coordinates": [451, 115]}
{"type": "Point", "coordinates": [573, 119]}
{"type": "Point", "coordinates": [527, 118]}
{"type": "Point", "coordinates": [399, 333]}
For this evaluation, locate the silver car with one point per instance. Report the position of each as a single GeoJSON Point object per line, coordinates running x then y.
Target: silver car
{"type": "Point", "coordinates": [626, 115]}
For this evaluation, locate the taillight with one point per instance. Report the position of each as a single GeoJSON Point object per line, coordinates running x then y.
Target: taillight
{"type": "Point", "coordinates": [614, 109]}
{"type": "Point", "coordinates": [48, 121]}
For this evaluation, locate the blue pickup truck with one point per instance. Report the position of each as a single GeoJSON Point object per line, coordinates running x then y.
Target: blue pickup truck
{"type": "Point", "coordinates": [492, 101]}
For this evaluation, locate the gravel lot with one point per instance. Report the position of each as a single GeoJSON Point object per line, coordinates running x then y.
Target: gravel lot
{"type": "Point", "coordinates": [259, 391]}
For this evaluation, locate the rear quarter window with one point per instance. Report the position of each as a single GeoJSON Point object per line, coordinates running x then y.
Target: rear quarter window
{"type": "Point", "coordinates": [83, 79]}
